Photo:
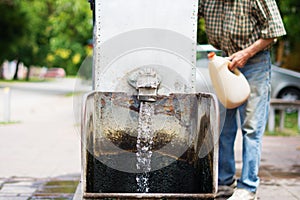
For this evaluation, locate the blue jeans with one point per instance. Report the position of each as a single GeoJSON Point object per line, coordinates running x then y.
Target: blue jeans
{"type": "Point", "coordinates": [253, 115]}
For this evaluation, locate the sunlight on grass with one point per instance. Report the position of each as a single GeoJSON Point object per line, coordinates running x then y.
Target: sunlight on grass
{"type": "Point", "coordinates": [290, 126]}
{"type": "Point", "coordinates": [9, 123]}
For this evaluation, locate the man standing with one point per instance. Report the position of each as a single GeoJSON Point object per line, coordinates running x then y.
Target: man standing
{"type": "Point", "coordinates": [244, 30]}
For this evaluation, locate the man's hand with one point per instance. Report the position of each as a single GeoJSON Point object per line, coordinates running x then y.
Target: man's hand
{"type": "Point", "coordinates": [238, 59]}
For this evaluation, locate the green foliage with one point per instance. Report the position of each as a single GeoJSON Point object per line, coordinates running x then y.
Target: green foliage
{"type": "Point", "coordinates": [13, 28]}
{"type": "Point", "coordinates": [55, 33]}
{"type": "Point", "coordinates": [70, 27]}
{"type": "Point", "coordinates": [291, 16]}
{"type": "Point", "coordinates": [290, 125]}
{"type": "Point", "coordinates": [201, 35]}
{"type": "Point", "coordinates": [52, 33]}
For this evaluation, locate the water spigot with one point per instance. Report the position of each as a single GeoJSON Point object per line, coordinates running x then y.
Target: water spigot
{"type": "Point", "coordinates": [146, 81]}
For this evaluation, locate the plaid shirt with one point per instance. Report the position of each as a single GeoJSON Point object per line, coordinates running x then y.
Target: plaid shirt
{"type": "Point", "coordinates": [233, 25]}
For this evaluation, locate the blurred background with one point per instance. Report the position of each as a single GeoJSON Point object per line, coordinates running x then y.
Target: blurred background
{"type": "Point", "coordinates": [38, 35]}
{"type": "Point", "coordinates": [43, 46]}
{"type": "Point", "coordinates": [44, 34]}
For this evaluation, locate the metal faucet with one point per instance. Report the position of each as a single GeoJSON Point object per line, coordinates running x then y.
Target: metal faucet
{"type": "Point", "coordinates": [146, 81]}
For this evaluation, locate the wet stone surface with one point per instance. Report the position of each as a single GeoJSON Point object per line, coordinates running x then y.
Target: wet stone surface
{"type": "Point", "coordinates": [62, 188]}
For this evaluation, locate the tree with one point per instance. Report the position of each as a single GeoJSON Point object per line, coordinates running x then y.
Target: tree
{"type": "Point", "coordinates": [70, 28]}
{"type": "Point", "coordinates": [291, 17]}
{"type": "Point", "coordinates": [52, 33]}
{"type": "Point", "coordinates": [55, 33]}
{"type": "Point", "coordinates": [13, 23]}
{"type": "Point", "coordinates": [201, 35]}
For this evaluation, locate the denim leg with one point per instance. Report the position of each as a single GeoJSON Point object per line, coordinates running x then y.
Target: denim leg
{"type": "Point", "coordinates": [226, 147]}
{"type": "Point", "coordinates": [254, 114]}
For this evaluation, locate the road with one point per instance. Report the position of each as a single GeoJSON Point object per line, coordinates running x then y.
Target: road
{"type": "Point", "coordinates": [44, 139]}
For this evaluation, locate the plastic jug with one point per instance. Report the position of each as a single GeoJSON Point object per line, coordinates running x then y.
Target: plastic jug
{"type": "Point", "coordinates": [231, 87]}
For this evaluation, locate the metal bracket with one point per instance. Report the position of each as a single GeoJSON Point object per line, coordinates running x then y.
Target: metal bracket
{"type": "Point", "coordinates": [146, 81]}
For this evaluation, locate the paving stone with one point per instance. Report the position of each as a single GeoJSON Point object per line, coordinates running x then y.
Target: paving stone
{"type": "Point", "coordinates": [18, 188]}
{"type": "Point", "coordinates": [274, 192]}
{"type": "Point", "coordinates": [14, 198]}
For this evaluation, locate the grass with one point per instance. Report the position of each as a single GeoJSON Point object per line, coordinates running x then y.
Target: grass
{"type": "Point", "coordinates": [290, 125]}
{"type": "Point", "coordinates": [9, 122]}
{"type": "Point", "coordinates": [71, 94]}
{"type": "Point", "coordinates": [31, 80]}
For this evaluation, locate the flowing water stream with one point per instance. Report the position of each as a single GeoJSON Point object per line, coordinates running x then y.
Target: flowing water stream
{"type": "Point", "coordinates": [144, 146]}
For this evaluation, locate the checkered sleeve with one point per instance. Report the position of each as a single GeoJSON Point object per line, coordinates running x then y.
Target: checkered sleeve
{"type": "Point", "coordinates": [268, 14]}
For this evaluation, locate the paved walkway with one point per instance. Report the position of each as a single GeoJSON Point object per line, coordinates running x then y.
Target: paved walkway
{"type": "Point", "coordinates": [280, 168]}
{"type": "Point", "coordinates": [23, 188]}
{"type": "Point", "coordinates": [43, 140]}
{"type": "Point", "coordinates": [40, 153]}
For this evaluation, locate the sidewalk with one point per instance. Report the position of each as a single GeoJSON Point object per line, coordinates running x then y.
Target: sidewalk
{"type": "Point", "coordinates": [40, 149]}
{"type": "Point", "coordinates": [43, 138]}
{"type": "Point", "coordinates": [280, 168]}
{"type": "Point", "coordinates": [56, 86]}
{"type": "Point", "coordinates": [23, 188]}
{"type": "Point", "coordinates": [40, 153]}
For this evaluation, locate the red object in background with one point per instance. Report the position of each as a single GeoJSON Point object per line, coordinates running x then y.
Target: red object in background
{"type": "Point", "coordinates": [55, 73]}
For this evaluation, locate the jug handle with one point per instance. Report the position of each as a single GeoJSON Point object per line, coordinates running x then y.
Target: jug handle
{"type": "Point", "coordinates": [235, 70]}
